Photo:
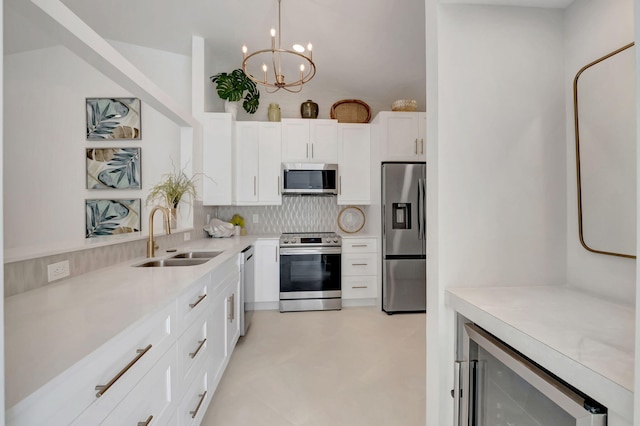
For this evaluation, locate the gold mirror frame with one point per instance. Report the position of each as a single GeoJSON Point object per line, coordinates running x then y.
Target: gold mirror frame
{"type": "Point", "coordinates": [577, 133]}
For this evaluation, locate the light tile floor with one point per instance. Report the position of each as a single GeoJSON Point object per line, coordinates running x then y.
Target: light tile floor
{"type": "Point", "coordinates": [357, 366]}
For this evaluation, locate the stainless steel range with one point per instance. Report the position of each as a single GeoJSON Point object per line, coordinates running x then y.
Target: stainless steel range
{"type": "Point", "coordinates": [310, 269]}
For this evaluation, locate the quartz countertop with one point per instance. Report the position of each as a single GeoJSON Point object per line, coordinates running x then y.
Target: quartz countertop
{"type": "Point", "coordinates": [50, 329]}
{"type": "Point", "coordinates": [585, 340]}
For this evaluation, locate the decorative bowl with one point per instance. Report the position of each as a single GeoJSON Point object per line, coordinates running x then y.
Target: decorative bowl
{"type": "Point", "coordinates": [404, 105]}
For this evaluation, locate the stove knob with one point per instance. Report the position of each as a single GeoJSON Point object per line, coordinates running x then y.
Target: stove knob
{"type": "Point", "coordinates": [285, 241]}
{"type": "Point", "coordinates": [335, 240]}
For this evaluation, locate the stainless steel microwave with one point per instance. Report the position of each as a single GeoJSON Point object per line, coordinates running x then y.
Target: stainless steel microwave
{"type": "Point", "coordinates": [309, 179]}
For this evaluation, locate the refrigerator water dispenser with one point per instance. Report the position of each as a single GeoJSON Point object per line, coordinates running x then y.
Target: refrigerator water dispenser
{"type": "Point", "coordinates": [401, 216]}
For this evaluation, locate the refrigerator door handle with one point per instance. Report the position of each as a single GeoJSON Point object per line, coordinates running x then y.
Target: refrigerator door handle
{"type": "Point", "coordinates": [421, 210]}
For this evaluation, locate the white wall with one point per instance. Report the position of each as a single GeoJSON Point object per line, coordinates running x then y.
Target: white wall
{"type": "Point", "coordinates": [2, 392]}
{"type": "Point", "coordinates": [593, 28]}
{"type": "Point", "coordinates": [501, 151]}
{"type": "Point", "coordinates": [44, 163]}
{"type": "Point", "coordinates": [500, 161]}
{"type": "Point", "coordinates": [170, 71]}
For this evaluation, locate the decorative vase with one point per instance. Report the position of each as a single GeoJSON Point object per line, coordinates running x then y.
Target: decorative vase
{"type": "Point", "coordinates": [173, 217]}
{"type": "Point", "coordinates": [237, 230]}
{"type": "Point", "coordinates": [231, 107]}
{"type": "Point", "coordinates": [274, 112]}
{"type": "Point", "coordinates": [309, 109]}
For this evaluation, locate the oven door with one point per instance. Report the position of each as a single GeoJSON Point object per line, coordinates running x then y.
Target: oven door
{"type": "Point", "coordinates": [497, 385]}
{"type": "Point", "coordinates": [309, 273]}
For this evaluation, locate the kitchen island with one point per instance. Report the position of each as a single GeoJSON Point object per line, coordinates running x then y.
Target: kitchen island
{"type": "Point", "coordinates": [585, 340]}
{"type": "Point", "coordinates": [52, 329]}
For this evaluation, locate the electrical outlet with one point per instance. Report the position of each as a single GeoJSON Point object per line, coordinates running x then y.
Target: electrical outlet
{"type": "Point", "coordinates": [187, 236]}
{"type": "Point", "coordinates": [256, 219]}
{"type": "Point", "coordinates": [55, 271]}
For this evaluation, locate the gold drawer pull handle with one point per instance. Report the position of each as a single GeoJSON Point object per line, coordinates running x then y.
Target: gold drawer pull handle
{"type": "Point", "coordinates": [195, 412]}
{"type": "Point", "coordinates": [146, 422]}
{"type": "Point", "coordinates": [359, 245]}
{"type": "Point", "coordinates": [359, 286]}
{"type": "Point", "coordinates": [193, 354]}
{"type": "Point", "coordinates": [359, 264]}
{"type": "Point", "coordinates": [200, 299]}
{"type": "Point", "coordinates": [104, 388]}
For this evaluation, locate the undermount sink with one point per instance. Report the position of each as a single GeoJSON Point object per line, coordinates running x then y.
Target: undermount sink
{"type": "Point", "coordinates": [197, 255]}
{"type": "Point", "coordinates": [163, 263]}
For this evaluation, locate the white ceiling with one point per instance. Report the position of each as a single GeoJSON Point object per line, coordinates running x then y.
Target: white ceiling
{"type": "Point", "coordinates": [361, 47]}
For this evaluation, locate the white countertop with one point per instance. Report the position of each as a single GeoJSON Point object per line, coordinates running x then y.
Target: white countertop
{"type": "Point", "coordinates": [585, 340]}
{"type": "Point", "coordinates": [49, 329]}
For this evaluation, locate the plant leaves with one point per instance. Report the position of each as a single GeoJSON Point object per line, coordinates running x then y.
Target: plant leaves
{"type": "Point", "coordinates": [232, 87]}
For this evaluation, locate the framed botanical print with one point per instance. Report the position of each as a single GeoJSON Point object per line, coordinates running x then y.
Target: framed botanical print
{"type": "Point", "coordinates": [113, 119]}
{"type": "Point", "coordinates": [112, 216]}
{"type": "Point", "coordinates": [113, 168]}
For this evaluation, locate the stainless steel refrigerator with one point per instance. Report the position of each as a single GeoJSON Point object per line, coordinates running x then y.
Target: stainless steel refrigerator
{"type": "Point", "coordinates": [404, 264]}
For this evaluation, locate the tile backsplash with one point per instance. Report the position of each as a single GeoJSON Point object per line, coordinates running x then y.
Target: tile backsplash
{"type": "Point", "coordinates": [296, 214]}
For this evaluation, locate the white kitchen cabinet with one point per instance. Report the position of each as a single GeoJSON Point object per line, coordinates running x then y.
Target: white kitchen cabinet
{"type": "Point", "coordinates": [196, 400]}
{"type": "Point", "coordinates": [193, 347]}
{"type": "Point", "coordinates": [193, 302]}
{"type": "Point", "coordinates": [217, 137]}
{"type": "Point", "coordinates": [118, 368]}
{"type": "Point", "coordinates": [402, 135]}
{"type": "Point", "coordinates": [233, 321]}
{"type": "Point", "coordinates": [156, 371]}
{"type": "Point", "coordinates": [306, 140]}
{"type": "Point", "coordinates": [257, 152]}
{"type": "Point", "coordinates": [153, 400]}
{"type": "Point", "coordinates": [354, 164]}
{"type": "Point", "coordinates": [222, 332]}
{"type": "Point", "coordinates": [360, 269]}
{"type": "Point", "coordinates": [267, 291]}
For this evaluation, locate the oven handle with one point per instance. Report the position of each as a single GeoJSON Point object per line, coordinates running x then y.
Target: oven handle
{"type": "Point", "coordinates": [293, 251]}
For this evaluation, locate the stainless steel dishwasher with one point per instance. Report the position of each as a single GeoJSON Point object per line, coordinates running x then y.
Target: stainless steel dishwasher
{"type": "Point", "coordinates": [247, 289]}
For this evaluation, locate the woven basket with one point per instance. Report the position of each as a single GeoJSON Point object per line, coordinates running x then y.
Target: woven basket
{"type": "Point", "coordinates": [404, 105]}
{"type": "Point", "coordinates": [351, 111]}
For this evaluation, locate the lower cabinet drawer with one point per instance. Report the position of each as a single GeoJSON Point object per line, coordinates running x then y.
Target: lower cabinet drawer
{"type": "Point", "coordinates": [359, 264]}
{"type": "Point", "coordinates": [359, 287]}
{"type": "Point", "coordinates": [105, 378]}
{"type": "Point", "coordinates": [153, 400]}
{"type": "Point", "coordinates": [192, 348]}
{"type": "Point", "coordinates": [195, 401]}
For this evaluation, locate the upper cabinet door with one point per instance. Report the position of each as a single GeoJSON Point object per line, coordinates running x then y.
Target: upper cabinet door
{"type": "Point", "coordinates": [295, 140]}
{"type": "Point", "coordinates": [401, 136]}
{"type": "Point", "coordinates": [257, 162]}
{"type": "Point", "coordinates": [217, 159]}
{"type": "Point", "coordinates": [246, 163]}
{"type": "Point", "coordinates": [324, 141]}
{"type": "Point", "coordinates": [309, 141]}
{"type": "Point", "coordinates": [269, 163]}
{"type": "Point", "coordinates": [354, 164]}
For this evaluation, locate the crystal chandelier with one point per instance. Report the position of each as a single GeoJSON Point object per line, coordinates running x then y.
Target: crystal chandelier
{"type": "Point", "coordinates": [294, 61]}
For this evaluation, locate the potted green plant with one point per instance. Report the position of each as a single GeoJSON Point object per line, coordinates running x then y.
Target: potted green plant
{"type": "Point", "coordinates": [173, 189]}
{"type": "Point", "coordinates": [236, 85]}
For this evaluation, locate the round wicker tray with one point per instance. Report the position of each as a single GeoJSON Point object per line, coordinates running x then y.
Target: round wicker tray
{"type": "Point", "coordinates": [351, 219]}
{"type": "Point", "coordinates": [351, 111]}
